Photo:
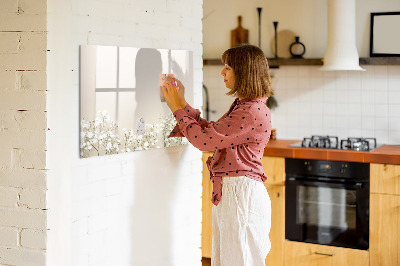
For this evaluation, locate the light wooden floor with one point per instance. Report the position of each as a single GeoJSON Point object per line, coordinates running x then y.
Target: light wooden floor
{"type": "Point", "coordinates": [206, 261]}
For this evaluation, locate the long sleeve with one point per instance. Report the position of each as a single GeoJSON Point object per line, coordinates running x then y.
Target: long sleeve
{"type": "Point", "coordinates": [193, 113]}
{"type": "Point", "coordinates": [231, 130]}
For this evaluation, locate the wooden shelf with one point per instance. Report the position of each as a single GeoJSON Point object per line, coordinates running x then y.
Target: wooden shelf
{"type": "Point", "coordinates": [274, 63]}
{"type": "Point", "coordinates": [380, 61]}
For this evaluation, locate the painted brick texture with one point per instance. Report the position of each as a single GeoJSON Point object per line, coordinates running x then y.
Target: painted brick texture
{"type": "Point", "coordinates": [117, 210]}
{"type": "Point", "coordinates": [23, 132]}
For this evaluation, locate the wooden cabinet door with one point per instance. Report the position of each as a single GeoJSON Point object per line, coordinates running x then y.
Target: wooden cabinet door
{"type": "Point", "coordinates": [304, 254]}
{"type": "Point", "coordinates": [384, 237]}
{"type": "Point", "coordinates": [206, 226]}
{"type": "Point", "coordinates": [277, 233]}
{"type": "Point", "coordinates": [274, 168]}
{"type": "Point", "coordinates": [385, 178]}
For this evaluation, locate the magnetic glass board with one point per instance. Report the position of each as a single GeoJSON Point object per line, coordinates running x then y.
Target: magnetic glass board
{"type": "Point", "coordinates": [120, 102]}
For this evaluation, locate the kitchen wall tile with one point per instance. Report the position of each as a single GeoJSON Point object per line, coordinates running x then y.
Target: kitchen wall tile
{"type": "Point", "coordinates": [317, 131]}
{"type": "Point", "coordinates": [329, 93]}
{"type": "Point", "coordinates": [316, 82]}
{"type": "Point", "coordinates": [329, 122]}
{"type": "Point", "coordinates": [342, 96]}
{"type": "Point", "coordinates": [380, 84]}
{"type": "Point", "coordinates": [317, 108]}
{"type": "Point", "coordinates": [317, 95]}
{"type": "Point", "coordinates": [304, 72]}
{"type": "Point", "coordinates": [342, 122]}
{"type": "Point", "coordinates": [303, 82]}
{"type": "Point", "coordinates": [342, 80]}
{"type": "Point", "coordinates": [354, 80]}
{"type": "Point", "coordinates": [328, 74]}
{"type": "Point", "coordinates": [342, 133]}
{"type": "Point", "coordinates": [381, 136]}
{"type": "Point", "coordinates": [304, 109]}
{"type": "Point", "coordinates": [381, 110]}
{"type": "Point", "coordinates": [367, 82]}
{"type": "Point", "coordinates": [381, 97]}
{"type": "Point", "coordinates": [355, 96]}
{"type": "Point", "coordinates": [355, 109]}
{"type": "Point", "coordinates": [394, 97]}
{"type": "Point", "coordinates": [354, 122]}
{"type": "Point", "coordinates": [367, 133]}
{"type": "Point", "coordinates": [380, 71]}
{"type": "Point", "coordinates": [394, 82]}
{"type": "Point", "coordinates": [368, 122]}
{"type": "Point", "coordinates": [367, 96]}
{"type": "Point", "coordinates": [329, 109]}
{"type": "Point", "coordinates": [393, 71]}
{"type": "Point", "coordinates": [292, 83]}
{"type": "Point", "coordinates": [394, 123]}
{"type": "Point", "coordinates": [317, 120]}
{"type": "Point", "coordinates": [367, 110]}
{"type": "Point", "coordinates": [320, 99]}
{"type": "Point", "coordinates": [394, 110]}
{"type": "Point", "coordinates": [291, 71]}
{"type": "Point", "coordinates": [382, 123]}
{"type": "Point", "coordinates": [394, 137]}
{"type": "Point", "coordinates": [315, 72]}
{"type": "Point", "coordinates": [342, 109]}
{"type": "Point", "coordinates": [355, 132]}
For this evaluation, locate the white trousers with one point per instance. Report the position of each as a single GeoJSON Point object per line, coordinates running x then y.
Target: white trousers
{"type": "Point", "coordinates": [241, 223]}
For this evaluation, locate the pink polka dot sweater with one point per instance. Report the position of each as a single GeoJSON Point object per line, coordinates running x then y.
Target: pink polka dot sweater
{"type": "Point", "coordinates": [238, 139]}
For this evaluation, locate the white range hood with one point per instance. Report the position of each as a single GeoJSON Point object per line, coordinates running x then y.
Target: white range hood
{"type": "Point", "coordinates": [341, 51]}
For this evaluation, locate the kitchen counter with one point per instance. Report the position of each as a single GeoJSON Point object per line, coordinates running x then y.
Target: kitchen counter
{"type": "Point", "coordinates": [389, 154]}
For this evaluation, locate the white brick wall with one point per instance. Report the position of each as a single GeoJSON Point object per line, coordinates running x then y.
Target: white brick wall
{"type": "Point", "coordinates": [127, 209]}
{"type": "Point", "coordinates": [23, 132]}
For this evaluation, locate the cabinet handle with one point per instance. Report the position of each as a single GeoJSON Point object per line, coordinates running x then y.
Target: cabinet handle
{"type": "Point", "coordinates": [324, 254]}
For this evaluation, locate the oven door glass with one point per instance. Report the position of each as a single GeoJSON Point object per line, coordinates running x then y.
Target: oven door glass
{"type": "Point", "coordinates": [327, 214]}
{"type": "Point", "coordinates": [328, 209]}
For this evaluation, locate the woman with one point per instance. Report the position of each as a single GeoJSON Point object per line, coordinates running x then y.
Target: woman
{"type": "Point", "coordinates": [242, 208]}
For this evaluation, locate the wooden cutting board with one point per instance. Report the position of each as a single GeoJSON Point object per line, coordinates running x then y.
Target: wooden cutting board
{"type": "Point", "coordinates": [239, 35]}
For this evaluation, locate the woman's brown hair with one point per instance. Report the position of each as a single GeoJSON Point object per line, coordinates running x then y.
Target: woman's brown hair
{"type": "Point", "coordinates": [250, 66]}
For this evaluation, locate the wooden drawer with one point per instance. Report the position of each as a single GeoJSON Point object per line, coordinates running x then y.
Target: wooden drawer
{"type": "Point", "coordinates": [304, 254]}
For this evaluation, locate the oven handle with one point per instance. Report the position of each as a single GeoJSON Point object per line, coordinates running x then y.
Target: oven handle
{"type": "Point", "coordinates": [357, 185]}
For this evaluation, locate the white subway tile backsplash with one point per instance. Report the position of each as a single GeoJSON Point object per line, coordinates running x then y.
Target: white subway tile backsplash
{"type": "Point", "coordinates": [381, 97]}
{"type": "Point", "coordinates": [328, 98]}
{"type": "Point", "coordinates": [381, 136]}
{"type": "Point", "coordinates": [394, 123]}
{"type": "Point", "coordinates": [394, 97]}
{"type": "Point", "coordinates": [381, 84]}
{"type": "Point", "coordinates": [367, 110]}
{"type": "Point", "coordinates": [342, 122]}
{"type": "Point", "coordinates": [394, 137]}
{"type": "Point", "coordinates": [291, 71]}
{"type": "Point", "coordinates": [367, 96]}
{"type": "Point", "coordinates": [394, 110]}
{"type": "Point", "coordinates": [368, 122]}
{"type": "Point", "coordinates": [292, 83]}
{"type": "Point", "coordinates": [394, 83]}
{"type": "Point", "coordinates": [382, 123]}
{"type": "Point", "coordinates": [329, 109]}
{"type": "Point", "coordinates": [381, 110]}
{"type": "Point", "coordinates": [380, 71]}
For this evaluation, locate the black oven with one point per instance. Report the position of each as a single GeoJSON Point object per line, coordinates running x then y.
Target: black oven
{"type": "Point", "coordinates": [327, 202]}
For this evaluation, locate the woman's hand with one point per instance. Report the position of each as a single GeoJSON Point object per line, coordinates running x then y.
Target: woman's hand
{"type": "Point", "coordinates": [172, 95]}
{"type": "Point", "coordinates": [181, 92]}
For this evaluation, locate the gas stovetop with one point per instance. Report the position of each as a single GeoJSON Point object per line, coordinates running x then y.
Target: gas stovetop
{"type": "Point", "coordinates": [332, 142]}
